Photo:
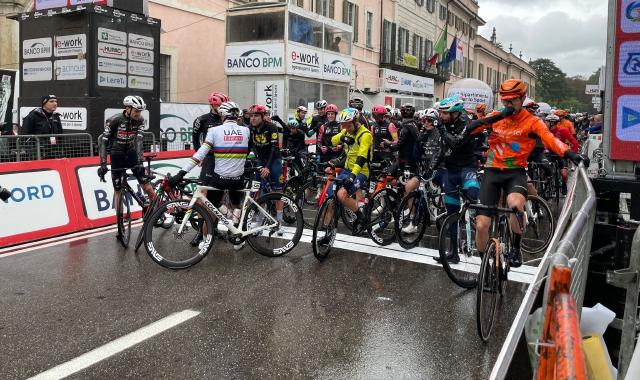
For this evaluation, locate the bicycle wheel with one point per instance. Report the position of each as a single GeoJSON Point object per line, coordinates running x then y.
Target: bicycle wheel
{"type": "Point", "coordinates": [291, 189]}
{"type": "Point", "coordinates": [455, 237]}
{"type": "Point", "coordinates": [411, 221]}
{"type": "Point", "coordinates": [267, 242]}
{"type": "Point", "coordinates": [145, 219]}
{"type": "Point", "coordinates": [379, 215]}
{"type": "Point", "coordinates": [324, 229]}
{"type": "Point", "coordinates": [348, 217]}
{"type": "Point", "coordinates": [487, 293]}
{"type": "Point", "coordinates": [124, 218]}
{"type": "Point", "coordinates": [540, 228]}
{"type": "Point", "coordinates": [172, 249]}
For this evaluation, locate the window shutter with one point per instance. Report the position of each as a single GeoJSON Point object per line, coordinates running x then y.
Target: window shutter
{"type": "Point", "coordinates": [385, 33]}
{"type": "Point", "coordinates": [356, 21]}
{"type": "Point", "coordinates": [318, 7]}
{"type": "Point", "coordinates": [345, 12]}
{"type": "Point", "coordinates": [332, 8]}
{"type": "Point", "coordinates": [300, 3]}
{"type": "Point", "coordinates": [393, 42]}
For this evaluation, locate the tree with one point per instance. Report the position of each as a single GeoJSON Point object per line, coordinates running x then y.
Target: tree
{"type": "Point", "coordinates": [551, 86]}
{"type": "Point", "coordinates": [577, 85]}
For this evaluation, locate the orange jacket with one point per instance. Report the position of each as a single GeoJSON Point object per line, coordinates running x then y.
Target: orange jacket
{"type": "Point", "coordinates": [510, 141]}
{"type": "Point", "coordinates": [566, 124]}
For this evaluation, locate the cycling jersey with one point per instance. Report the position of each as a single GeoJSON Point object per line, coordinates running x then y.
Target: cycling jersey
{"type": "Point", "coordinates": [428, 141]}
{"type": "Point", "coordinates": [120, 134]}
{"type": "Point", "coordinates": [407, 137]}
{"type": "Point", "coordinates": [265, 143]}
{"type": "Point", "coordinates": [200, 127]}
{"type": "Point", "coordinates": [314, 123]}
{"type": "Point", "coordinates": [564, 123]}
{"type": "Point", "coordinates": [293, 141]}
{"type": "Point", "coordinates": [230, 144]}
{"type": "Point", "coordinates": [358, 154]}
{"type": "Point", "coordinates": [325, 134]}
{"type": "Point", "coordinates": [457, 146]}
{"type": "Point", "coordinates": [564, 135]}
{"type": "Point", "coordinates": [383, 131]}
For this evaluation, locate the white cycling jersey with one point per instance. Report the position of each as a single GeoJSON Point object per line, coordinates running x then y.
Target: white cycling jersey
{"type": "Point", "coordinates": [230, 145]}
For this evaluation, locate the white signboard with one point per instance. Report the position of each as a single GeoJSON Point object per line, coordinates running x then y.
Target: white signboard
{"type": "Point", "coordinates": [110, 112]}
{"type": "Point", "coordinates": [142, 83]}
{"type": "Point", "coordinates": [73, 118]}
{"type": "Point", "coordinates": [37, 48]}
{"type": "Point", "coordinates": [176, 123]}
{"type": "Point", "coordinates": [70, 45]}
{"type": "Point", "coordinates": [254, 59]}
{"type": "Point", "coordinates": [145, 69]}
{"type": "Point", "coordinates": [271, 93]}
{"type": "Point", "coordinates": [71, 69]}
{"type": "Point", "coordinates": [396, 80]}
{"type": "Point", "coordinates": [592, 89]}
{"type": "Point", "coordinates": [112, 51]}
{"type": "Point", "coordinates": [112, 36]}
{"type": "Point", "coordinates": [112, 65]}
{"type": "Point", "coordinates": [37, 71]}
{"type": "Point", "coordinates": [142, 42]}
{"type": "Point", "coordinates": [48, 4]}
{"type": "Point", "coordinates": [473, 97]}
{"type": "Point", "coordinates": [76, 2]}
{"type": "Point", "coordinates": [336, 67]}
{"type": "Point", "coordinates": [304, 61]}
{"type": "Point", "coordinates": [112, 80]}
{"type": "Point", "coordinates": [33, 193]}
{"type": "Point", "coordinates": [140, 55]}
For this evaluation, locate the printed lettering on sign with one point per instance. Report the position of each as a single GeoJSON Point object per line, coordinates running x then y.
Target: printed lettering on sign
{"type": "Point", "coordinates": [142, 42]}
{"type": "Point", "coordinates": [140, 82]}
{"type": "Point", "coordinates": [112, 51]}
{"type": "Point", "coordinates": [304, 62]}
{"type": "Point", "coordinates": [266, 58]}
{"type": "Point", "coordinates": [37, 71]}
{"type": "Point", "coordinates": [37, 48]}
{"type": "Point", "coordinates": [112, 36]}
{"type": "Point", "coordinates": [76, 2]}
{"type": "Point", "coordinates": [271, 93]}
{"type": "Point", "coordinates": [336, 67]}
{"type": "Point", "coordinates": [145, 69]}
{"type": "Point", "coordinates": [140, 55]}
{"type": "Point", "coordinates": [71, 69]}
{"type": "Point", "coordinates": [112, 80]}
{"type": "Point", "coordinates": [70, 45]}
{"type": "Point", "coordinates": [112, 65]}
{"type": "Point", "coordinates": [48, 4]}
{"type": "Point", "coordinates": [73, 118]}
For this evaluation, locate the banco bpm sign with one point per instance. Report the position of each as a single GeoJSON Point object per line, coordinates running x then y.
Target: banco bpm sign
{"type": "Point", "coordinates": [269, 58]}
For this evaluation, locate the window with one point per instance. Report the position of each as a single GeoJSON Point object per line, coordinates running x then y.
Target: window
{"type": "Point", "coordinates": [489, 71]}
{"type": "Point", "coordinates": [465, 67]}
{"type": "Point", "coordinates": [369, 36]}
{"type": "Point", "coordinates": [429, 49]}
{"type": "Point", "coordinates": [504, 77]}
{"type": "Point", "coordinates": [299, 3]}
{"type": "Point", "coordinates": [465, 28]}
{"type": "Point", "coordinates": [431, 5]}
{"type": "Point", "coordinates": [386, 35]}
{"type": "Point", "coordinates": [350, 17]}
{"type": "Point", "coordinates": [165, 77]}
{"type": "Point", "coordinates": [481, 72]}
{"type": "Point", "coordinates": [337, 40]}
{"type": "Point", "coordinates": [270, 26]}
{"type": "Point", "coordinates": [302, 93]}
{"type": "Point", "coordinates": [457, 22]}
{"type": "Point", "coordinates": [403, 41]}
{"type": "Point", "coordinates": [495, 77]}
{"type": "Point", "coordinates": [335, 94]}
{"type": "Point", "coordinates": [305, 30]}
{"type": "Point", "coordinates": [416, 45]}
{"type": "Point", "coordinates": [420, 2]}
{"type": "Point", "coordinates": [442, 12]}
{"type": "Point", "coordinates": [470, 69]}
{"type": "Point", "coordinates": [472, 33]}
{"type": "Point", "coordinates": [450, 18]}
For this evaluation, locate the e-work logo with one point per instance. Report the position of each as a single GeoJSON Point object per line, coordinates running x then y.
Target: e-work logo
{"type": "Point", "coordinates": [254, 59]}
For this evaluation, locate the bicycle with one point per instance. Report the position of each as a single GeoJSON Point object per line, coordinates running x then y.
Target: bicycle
{"type": "Point", "coordinates": [257, 225]}
{"type": "Point", "coordinates": [386, 193]}
{"type": "Point", "coordinates": [494, 269]}
{"type": "Point", "coordinates": [556, 180]}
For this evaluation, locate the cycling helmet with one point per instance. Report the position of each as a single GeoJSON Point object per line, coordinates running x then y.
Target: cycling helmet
{"type": "Point", "coordinates": [301, 109]}
{"type": "Point", "coordinates": [257, 109]}
{"type": "Point", "coordinates": [420, 114]}
{"type": "Point", "coordinates": [293, 124]}
{"type": "Point", "coordinates": [529, 103]}
{"type": "Point", "coordinates": [407, 110]}
{"type": "Point", "coordinates": [367, 113]}
{"type": "Point", "coordinates": [431, 113]}
{"type": "Point", "coordinates": [500, 109]}
{"type": "Point", "coordinates": [513, 88]}
{"type": "Point", "coordinates": [451, 105]}
{"type": "Point", "coordinates": [331, 108]}
{"type": "Point", "coordinates": [229, 110]}
{"type": "Point", "coordinates": [552, 118]}
{"type": "Point", "coordinates": [356, 103]}
{"type": "Point", "coordinates": [561, 113]}
{"type": "Point", "coordinates": [395, 114]}
{"type": "Point", "coordinates": [347, 115]}
{"type": "Point", "coordinates": [379, 109]}
{"type": "Point", "coordinates": [135, 101]}
{"type": "Point", "coordinates": [321, 104]}
{"type": "Point", "coordinates": [217, 98]}
{"type": "Point", "coordinates": [388, 108]}
{"type": "Point", "coordinates": [481, 107]}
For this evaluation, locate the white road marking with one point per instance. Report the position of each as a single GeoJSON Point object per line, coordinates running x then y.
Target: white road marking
{"type": "Point", "coordinates": [115, 347]}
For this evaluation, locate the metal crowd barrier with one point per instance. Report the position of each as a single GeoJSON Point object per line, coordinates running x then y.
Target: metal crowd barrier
{"type": "Point", "coordinates": [570, 246]}
{"type": "Point", "coordinates": [43, 147]}
{"type": "Point", "coordinates": [172, 140]}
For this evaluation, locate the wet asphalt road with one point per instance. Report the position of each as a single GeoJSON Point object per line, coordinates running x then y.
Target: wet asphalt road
{"type": "Point", "coordinates": [354, 316]}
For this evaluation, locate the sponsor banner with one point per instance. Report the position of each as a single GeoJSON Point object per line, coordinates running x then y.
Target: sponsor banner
{"type": "Point", "coordinates": [304, 61]}
{"type": "Point", "coordinates": [48, 4]}
{"type": "Point", "coordinates": [73, 118]}
{"type": "Point", "coordinates": [111, 112]}
{"type": "Point", "coordinates": [176, 123]}
{"type": "Point", "coordinates": [77, 2]}
{"type": "Point", "coordinates": [628, 119]}
{"type": "Point", "coordinates": [112, 65]}
{"type": "Point", "coordinates": [396, 80]}
{"type": "Point", "coordinates": [145, 69]}
{"type": "Point", "coordinates": [71, 69]}
{"type": "Point", "coordinates": [72, 44]}
{"type": "Point", "coordinates": [112, 36]}
{"type": "Point", "coordinates": [142, 83]}
{"type": "Point", "coordinates": [473, 97]}
{"type": "Point", "coordinates": [255, 59]}
{"type": "Point", "coordinates": [37, 48]}
{"type": "Point", "coordinates": [37, 71]}
{"type": "Point", "coordinates": [336, 67]}
{"type": "Point", "coordinates": [271, 93]}
{"type": "Point", "coordinates": [142, 42]}
{"type": "Point", "coordinates": [140, 55]}
{"type": "Point", "coordinates": [112, 51]}
{"type": "Point", "coordinates": [112, 80]}
{"type": "Point", "coordinates": [592, 89]}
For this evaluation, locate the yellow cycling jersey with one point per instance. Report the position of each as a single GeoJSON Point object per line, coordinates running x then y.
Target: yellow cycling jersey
{"type": "Point", "coordinates": [359, 154]}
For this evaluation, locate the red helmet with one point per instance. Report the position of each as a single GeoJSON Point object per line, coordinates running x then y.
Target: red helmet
{"type": "Point", "coordinates": [257, 109]}
{"type": "Point", "coordinates": [217, 98]}
{"type": "Point", "coordinates": [331, 108]}
{"type": "Point", "coordinates": [379, 109]}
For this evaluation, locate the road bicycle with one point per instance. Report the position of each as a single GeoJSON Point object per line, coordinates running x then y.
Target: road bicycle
{"type": "Point", "coordinates": [386, 193]}
{"type": "Point", "coordinates": [171, 248]}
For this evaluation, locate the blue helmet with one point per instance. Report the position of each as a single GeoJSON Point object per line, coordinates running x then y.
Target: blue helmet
{"type": "Point", "coordinates": [452, 104]}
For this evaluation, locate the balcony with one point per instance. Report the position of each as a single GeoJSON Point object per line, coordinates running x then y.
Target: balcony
{"type": "Point", "coordinates": [394, 60]}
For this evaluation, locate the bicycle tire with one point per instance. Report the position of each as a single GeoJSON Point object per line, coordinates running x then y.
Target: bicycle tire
{"type": "Point", "coordinates": [348, 217]}
{"type": "Point", "coordinates": [487, 292]}
{"type": "Point", "coordinates": [379, 214]}
{"type": "Point", "coordinates": [465, 272]}
{"type": "Point", "coordinates": [124, 218]}
{"type": "Point", "coordinates": [408, 241]}
{"type": "Point", "coordinates": [541, 225]}
{"type": "Point", "coordinates": [259, 241]}
{"type": "Point", "coordinates": [174, 251]}
{"type": "Point", "coordinates": [145, 219]}
{"type": "Point", "coordinates": [291, 189]}
{"type": "Point", "coordinates": [329, 229]}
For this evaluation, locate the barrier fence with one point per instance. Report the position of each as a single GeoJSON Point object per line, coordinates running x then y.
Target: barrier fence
{"type": "Point", "coordinates": [43, 147]}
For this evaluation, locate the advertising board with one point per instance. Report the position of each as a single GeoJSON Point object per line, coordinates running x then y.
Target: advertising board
{"type": "Point", "coordinates": [255, 59]}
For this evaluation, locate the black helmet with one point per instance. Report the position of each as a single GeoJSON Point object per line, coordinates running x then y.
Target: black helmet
{"type": "Point", "coordinates": [356, 103]}
{"type": "Point", "coordinates": [407, 110]}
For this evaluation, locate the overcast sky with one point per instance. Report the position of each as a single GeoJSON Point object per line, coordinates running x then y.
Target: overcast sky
{"type": "Point", "coordinates": [572, 33]}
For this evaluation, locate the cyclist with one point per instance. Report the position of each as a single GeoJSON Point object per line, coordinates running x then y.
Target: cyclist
{"type": "Point", "coordinates": [382, 130]}
{"type": "Point", "coordinates": [293, 139]}
{"type": "Point", "coordinates": [230, 144]}
{"type": "Point", "coordinates": [123, 134]}
{"type": "Point", "coordinates": [316, 121]}
{"type": "Point", "coordinates": [407, 136]}
{"type": "Point", "coordinates": [562, 134]}
{"type": "Point", "coordinates": [326, 133]}
{"type": "Point", "coordinates": [510, 145]}
{"type": "Point", "coordinates": [481, 110]}
{"type": "Point", "coordinates": [565, 122]}
{"type": "Point", "coordinates": [358, 104]}
{"type": "Point", "coordinates": [395, 117]}
{"type": "Point", "coordinates": [358, 143]}
{"type": "Point", "coordinates": [266, 149]}
{"type": "Point", "coordinates": [538, 154]}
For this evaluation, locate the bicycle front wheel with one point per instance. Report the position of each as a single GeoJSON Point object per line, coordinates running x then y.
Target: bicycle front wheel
{"type": "Point", "coordinates": [268, 242]}
{"type": "Point", "coordinates": [171, 247]}
{"type": "Point", "coordinates": [541, 225]}
{"type": "Point", "coordinates": [145, 219]}
{"type": "Point", "coordinates": [325, 228]}
{"type": "Point", "coordinates": [487, 293]}
{"type": "Point", "coordinates": [458, 253]}
{"type": "Point", "coordinates": [124, 218]}
{"type": "Point", "coordinates": [411, 220]}
{"type": "Point", "coordinates": [379, 214]}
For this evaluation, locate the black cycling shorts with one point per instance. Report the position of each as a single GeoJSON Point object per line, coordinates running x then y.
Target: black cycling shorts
{"type": "Point", "coordinates": [206, 170]}
{"type": "Point", "coordinates": [126, 160]}
{"type": "Point", "coordinates": [495, 180]}
{"type": "Point", "coordinates": [226, 183]}
{"type": "Point", "coordinates": [399, 167]}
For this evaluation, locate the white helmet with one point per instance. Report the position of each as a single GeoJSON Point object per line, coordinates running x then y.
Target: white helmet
{"type": "Point", "coordinates": [395, 114]}
{"type": "Point", "coordinates": [321, 104]}
{"type": "Point", "coordinates": [135, 101]}
{"type": "Point", "coordinates": [431, 113]}
{"type": "Point", "coordinates": [420, 114]}
{"type": "Point", "coordinates": [553, 118]}
{"type": "Point", "coordinates": [230, 110]}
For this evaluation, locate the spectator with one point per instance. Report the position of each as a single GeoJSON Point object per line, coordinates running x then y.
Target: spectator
{"type": "Point", "coordinates": [335, 45]}
{"type": "Point", "coordinates": [45, 121]}
{"type": "Point", "coordinates": [597, 127]}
